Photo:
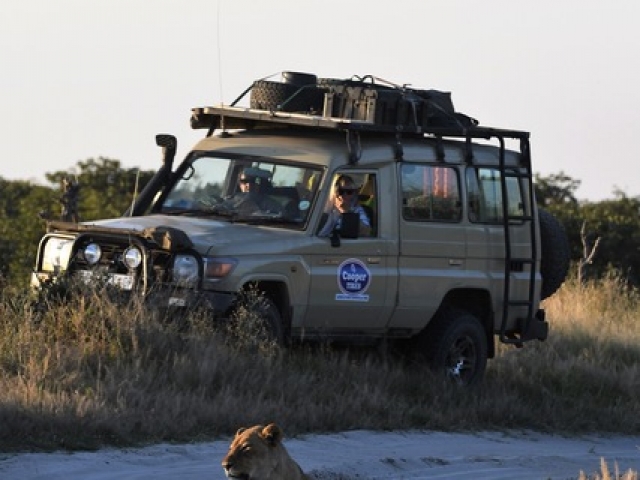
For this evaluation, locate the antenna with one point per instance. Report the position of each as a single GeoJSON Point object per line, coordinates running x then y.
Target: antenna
{"type": "Point", "coordinates": [219, 54]}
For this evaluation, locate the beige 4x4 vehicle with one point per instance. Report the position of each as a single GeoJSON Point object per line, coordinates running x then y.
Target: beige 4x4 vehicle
{"type": "Point", "coordinates": [458, 254]}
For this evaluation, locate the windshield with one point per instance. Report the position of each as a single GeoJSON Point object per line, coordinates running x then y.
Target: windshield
{"type": "Point", "coordinates": [244, 189]}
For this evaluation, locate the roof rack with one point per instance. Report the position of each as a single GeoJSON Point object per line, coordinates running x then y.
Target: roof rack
{"type": "Point", "coordinates": [352, 105]}
{"type": "Point", "coordinates": [231, 118]}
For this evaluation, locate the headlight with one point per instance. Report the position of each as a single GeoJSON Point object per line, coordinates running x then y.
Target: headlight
{"type": "Point", "coordinates": [132, 258]}
{"type": "Point", "coordinates": [218, 268]}
{"type": "Point", "coordinates": [185, 270]}
{"type": "Point", "coordinates": [92, 253]}
{"type": "Point", "coordinates": [57, 252]}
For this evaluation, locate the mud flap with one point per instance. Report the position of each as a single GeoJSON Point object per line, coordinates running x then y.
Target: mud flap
{"type": "Point", "coordinates": [536, 329]}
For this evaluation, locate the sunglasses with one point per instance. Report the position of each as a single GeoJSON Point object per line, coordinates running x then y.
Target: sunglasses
{"type": "Point", "coordinates": [346, 191]}
{"type": "Point", "coordinates": [246, 180]}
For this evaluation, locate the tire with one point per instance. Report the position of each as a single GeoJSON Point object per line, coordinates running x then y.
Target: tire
{"type": "Point", "coordinates": [256, 323]}
{"type": "Point", "coordinates": [299, 78]}
{"type": "Point", "coordinates": [555, 254]}
{"type": "Point", "coordinates": [455, 345]}
{"type": "Point", "coordinates": [266, 95]}
{"type": "Point", "coordinates": [273, 321]}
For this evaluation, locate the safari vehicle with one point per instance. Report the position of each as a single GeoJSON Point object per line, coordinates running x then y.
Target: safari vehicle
{"type": "Point", "coordinates": [458, 258]}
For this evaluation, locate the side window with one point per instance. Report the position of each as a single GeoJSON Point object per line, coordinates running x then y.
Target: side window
{"type": "Point", "coordinates": [430, 193]}
{"type": "Point", "coordinates": [485, 195]}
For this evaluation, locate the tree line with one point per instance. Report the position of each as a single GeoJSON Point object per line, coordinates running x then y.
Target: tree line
{"type": "Point", "coordinates": [105, 190]}
{"type": "Point", "coordinates": [604, 235]}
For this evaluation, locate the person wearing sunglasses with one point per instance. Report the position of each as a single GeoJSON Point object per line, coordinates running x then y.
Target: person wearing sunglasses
{"type": "Point", "coordinates": [344, 198]}
{"type": "Point", "coordinates": [254, 185]}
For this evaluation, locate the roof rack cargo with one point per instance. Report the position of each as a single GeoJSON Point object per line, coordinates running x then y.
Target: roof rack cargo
{"type": "Point", "coordinates": [359, 104]}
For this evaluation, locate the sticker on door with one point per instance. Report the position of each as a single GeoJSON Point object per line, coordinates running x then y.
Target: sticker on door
{"type": "Point", "coordinates": [354, 279]}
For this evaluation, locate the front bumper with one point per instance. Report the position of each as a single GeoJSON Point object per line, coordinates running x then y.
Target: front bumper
{"type": "Point", "coordinates": [218, 303]}
{"type": "Point", "coordinates": [167, 298]}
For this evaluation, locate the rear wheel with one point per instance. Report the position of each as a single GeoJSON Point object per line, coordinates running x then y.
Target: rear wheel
{"type": "Point", "coordinates": [455, 345]}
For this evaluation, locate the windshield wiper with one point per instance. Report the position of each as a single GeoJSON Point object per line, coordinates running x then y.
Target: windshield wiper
{"type": "Point", "coordinates": [267, 218]}
{"type": "Point", "coordinates": [222, 212]}
{"type": "Point", "coordinates": [257, 218]}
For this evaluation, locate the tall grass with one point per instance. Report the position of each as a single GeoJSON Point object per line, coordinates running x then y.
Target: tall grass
{"type": "Point", "coordinates": [606, 474]}
{"type": "Point", "coordinates": [88, 372]}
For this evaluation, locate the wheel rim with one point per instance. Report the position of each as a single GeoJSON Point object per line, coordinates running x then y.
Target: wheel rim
{"type": "Point", "coordinates": [461, 361]}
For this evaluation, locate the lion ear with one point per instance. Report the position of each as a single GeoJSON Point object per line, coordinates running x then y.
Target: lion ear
{"type": "Point", "coordinates": [272, 433]}
{"type": "Point", "coordinates": [240, 430]}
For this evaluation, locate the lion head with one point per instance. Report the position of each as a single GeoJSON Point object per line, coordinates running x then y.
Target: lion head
{"type": "Point", "coordinates": [257, 453]}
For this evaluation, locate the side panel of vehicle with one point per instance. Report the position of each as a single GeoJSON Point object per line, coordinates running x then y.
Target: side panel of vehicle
{"type": "Point", "coordinates": [452, 238]}
{"type": "Point", "coordinates": [486, 247]}
{"type": "Point", "coordinates": [432, 242]}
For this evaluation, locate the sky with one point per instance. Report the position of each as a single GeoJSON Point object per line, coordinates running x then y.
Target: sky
{"type": "Point", "coordinates": [95, 79]}
{"type": "Point", "coordinates": [356, 455]}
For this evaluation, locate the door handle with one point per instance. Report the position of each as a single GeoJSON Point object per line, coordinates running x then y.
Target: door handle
{"type": "Point", "coordinates": [330, 261]}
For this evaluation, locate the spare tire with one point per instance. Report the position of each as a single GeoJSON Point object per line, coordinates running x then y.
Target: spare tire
{"type": "Point", "coordinates": [555, 253]}
{"type": "Point", "coordinates": [267, 95]}
{"type": "Point", "coordinates": [299, 78]}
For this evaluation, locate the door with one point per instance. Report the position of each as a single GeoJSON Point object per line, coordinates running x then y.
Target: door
{"type": "Point", "coordinates": [353, 284]}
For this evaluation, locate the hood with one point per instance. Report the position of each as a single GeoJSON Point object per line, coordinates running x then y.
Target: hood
{"type": "Point", "coordinates": [204, 233]}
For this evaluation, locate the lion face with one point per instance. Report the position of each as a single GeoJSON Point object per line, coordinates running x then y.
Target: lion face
{"type": "Point", "coordinates": [257, 453]}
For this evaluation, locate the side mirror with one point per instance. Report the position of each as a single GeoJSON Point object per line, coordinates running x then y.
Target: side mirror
{"type": "Point", "coordinates": [350, 227]}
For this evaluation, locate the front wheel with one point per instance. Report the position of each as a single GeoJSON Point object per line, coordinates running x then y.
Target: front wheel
{"type": "Point", "coordinates": [456, 345]}
{"type": "Point", "coordinates": [256, 322]}
{"type": "Point", "coordinates": [269, 313]}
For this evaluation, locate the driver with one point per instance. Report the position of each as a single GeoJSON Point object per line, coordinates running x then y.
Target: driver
{"type": "Point", "coordinates": [254, 185]}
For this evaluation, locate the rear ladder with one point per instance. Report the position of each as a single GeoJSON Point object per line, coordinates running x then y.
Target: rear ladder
{"type": "Point", "coordinates": [530, 327]}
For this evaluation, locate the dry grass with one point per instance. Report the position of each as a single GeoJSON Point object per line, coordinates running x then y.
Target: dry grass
{"type": "Point", "coordinates": [587, 374]}
{"type": "Point", "coordinates": [88, 373]}
{"type": "Point", "coordinates": [608, 308]}
{"type": "Point", "coordinates": [606, 474]}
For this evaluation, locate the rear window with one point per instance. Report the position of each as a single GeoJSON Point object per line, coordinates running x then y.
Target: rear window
{"type": "Point", "coordinates": [484, 190]}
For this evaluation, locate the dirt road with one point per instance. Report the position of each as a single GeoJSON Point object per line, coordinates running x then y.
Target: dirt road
{"type": "Point", "coordinates": [354, 455]}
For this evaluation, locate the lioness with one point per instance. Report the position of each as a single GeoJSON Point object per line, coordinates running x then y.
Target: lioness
{"type": "Point", "coordinates": [257, 453]}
